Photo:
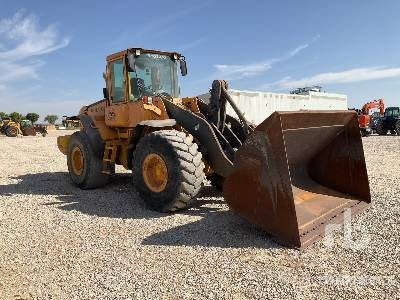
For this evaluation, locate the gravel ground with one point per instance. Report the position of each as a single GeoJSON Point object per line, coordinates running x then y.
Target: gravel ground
{"type": "Point", "coordinates": [59, 242]}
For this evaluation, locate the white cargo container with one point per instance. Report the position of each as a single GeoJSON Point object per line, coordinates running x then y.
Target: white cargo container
{"type": "Point", "coordinates": [257, 106]}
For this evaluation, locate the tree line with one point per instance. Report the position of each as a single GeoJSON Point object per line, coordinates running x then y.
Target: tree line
{"type": "Point", "coordinates": [33, 117]}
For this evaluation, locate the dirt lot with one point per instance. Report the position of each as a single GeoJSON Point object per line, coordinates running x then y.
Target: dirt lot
{"type": "Point", "coordinates": [59, 242]}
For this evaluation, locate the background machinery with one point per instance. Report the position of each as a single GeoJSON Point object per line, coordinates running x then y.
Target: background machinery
{"type": "Point", "coordinates": [70, 122]}
{"type": "Point", "coordinates": [291, 175]}
{"type": "Point", "coordinates": [1, 124]}
{"type": "Point", "coordinates": [24, 127]}
{"type": "Point", "coordinates": [374, 120]}
{"type": "Point", "coordinates": [366, 122]}
{"type": "Point", "coordinates": [389, 121]}
{"type": "Point", "coordinates": [9, 127]}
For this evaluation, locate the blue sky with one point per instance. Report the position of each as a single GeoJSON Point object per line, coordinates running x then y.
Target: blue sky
{"type": "Point", "coordinates": [52, 53]}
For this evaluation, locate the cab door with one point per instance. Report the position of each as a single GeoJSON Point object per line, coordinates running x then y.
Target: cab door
{"type": "Point", "coordinates": [116, 114]}
{"type": "Point", "coordinates": [389, 118]}
{"type": "Point", "coordinates": [395, 115]}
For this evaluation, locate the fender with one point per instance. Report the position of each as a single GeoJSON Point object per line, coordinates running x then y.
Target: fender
{"type": "Point", "coordinates": [138, 133]}
{"type": "Point", "coordinates": [93, 134]}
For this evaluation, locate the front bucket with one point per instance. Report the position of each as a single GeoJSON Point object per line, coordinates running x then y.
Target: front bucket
{"type": "Point", "coordinates": [298, 172]}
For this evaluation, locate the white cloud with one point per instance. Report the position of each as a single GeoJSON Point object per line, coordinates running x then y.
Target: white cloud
{"type": "Point", "coordinates": [233, 72]}
{"type": "Point", "coordinates": [352, 75]}
{"type": "Point", "coordinates": [192, 44]}
{"type": "Point", "coordinates": [22, 39]}
{"type": "Point", "coordinates": [147, 32]}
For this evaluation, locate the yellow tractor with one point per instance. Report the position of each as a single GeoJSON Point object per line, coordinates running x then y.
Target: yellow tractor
{"type": "Point", "coordinates": [292, 175]}
{"type": "Point", "coordinates": [24, 127]}
{"type": "Point", "coordinates": [9, 127]}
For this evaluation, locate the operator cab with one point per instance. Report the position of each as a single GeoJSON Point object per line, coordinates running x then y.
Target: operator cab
{"type": "Point", "coordinates": [136, 73]}
{"type": "Point", "coordinates": [25, 123]}
{"type": "Point", "coordinates": [392, 112]}
{"type": "Point", "coordinates": [6, 120]}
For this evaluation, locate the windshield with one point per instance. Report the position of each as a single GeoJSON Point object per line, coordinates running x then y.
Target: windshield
{"type": "Point", "coordinates": [154, 75]}
{"type": "Point", "coordinates": [392, 112]}
{"type": "Point", "coordinates": [26, 123]}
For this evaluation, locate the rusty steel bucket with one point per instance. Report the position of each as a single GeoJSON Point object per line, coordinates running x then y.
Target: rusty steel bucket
{"type": "Point", "coordinates": [297, 173]}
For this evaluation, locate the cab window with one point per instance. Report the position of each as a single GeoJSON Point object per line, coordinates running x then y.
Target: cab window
{"type": "Point", "coordinates": [117, 81]}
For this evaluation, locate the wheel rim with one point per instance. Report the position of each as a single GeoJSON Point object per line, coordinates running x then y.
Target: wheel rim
{"type": "Point", "coordinates": [155, 172]}
{"type": "Point", "coordinates": [13, 131]}
{"type": "Point", "coordinates": [77, 160]}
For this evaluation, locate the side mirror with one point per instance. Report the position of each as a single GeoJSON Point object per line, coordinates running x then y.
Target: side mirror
{"type": "Point", "coordinates": [183, 67]}
{"type": "Point", "coordinates": [131, 63]}
{"type": "Point", "coordinates": [105, 93]}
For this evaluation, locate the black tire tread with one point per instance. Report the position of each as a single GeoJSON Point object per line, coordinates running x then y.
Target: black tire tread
{"type": "Point", "coordinates": [398, 127]}
{"type": "Point", "coordinates": [380, 128]}
{"type": "Point", "coordinates": [93, 176]}
{"type": "Point", "coordinates": [8, 131]}
{"type": "Point", "coordinates": [191, 167]}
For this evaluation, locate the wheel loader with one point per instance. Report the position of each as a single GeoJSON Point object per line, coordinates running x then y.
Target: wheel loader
{"type": "Point", "coordinates": [291, 175]}
{"type": "Point", "coordinates": [9, 127]}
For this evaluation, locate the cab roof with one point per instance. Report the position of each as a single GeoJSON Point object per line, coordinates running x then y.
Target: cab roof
{"type": "Point", "coordinates": [132, 50]}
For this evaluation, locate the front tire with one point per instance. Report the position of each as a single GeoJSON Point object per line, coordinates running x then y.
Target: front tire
{"type": "Point", "coordinates": [398, 127]}
{"type": "Point", "coordinates": [12, 131]}
{"type": "Point", "coordinates": [168, 170]}
{"type": "Point", "coordinates": [85, 168]}
{"type": "Point", "coordinates": [380, 128]}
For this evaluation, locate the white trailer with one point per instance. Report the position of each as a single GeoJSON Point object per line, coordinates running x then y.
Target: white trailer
{"type": "Point", "coordinates": [257, 106]}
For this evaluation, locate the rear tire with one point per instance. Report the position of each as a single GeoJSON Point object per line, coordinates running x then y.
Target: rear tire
{"type": "Point", "coordinates": [380, 128]}
{"type": "Point", "coordinates": [83, 165]}
{"type": "Point", "coordinates": [398, 127]}
{"type": "Point", "coordinates": [12, 131]}
{"type": "Point", "coordinates": [28, 131]}
{"type": "Point", "coordinates": [180, 164]}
